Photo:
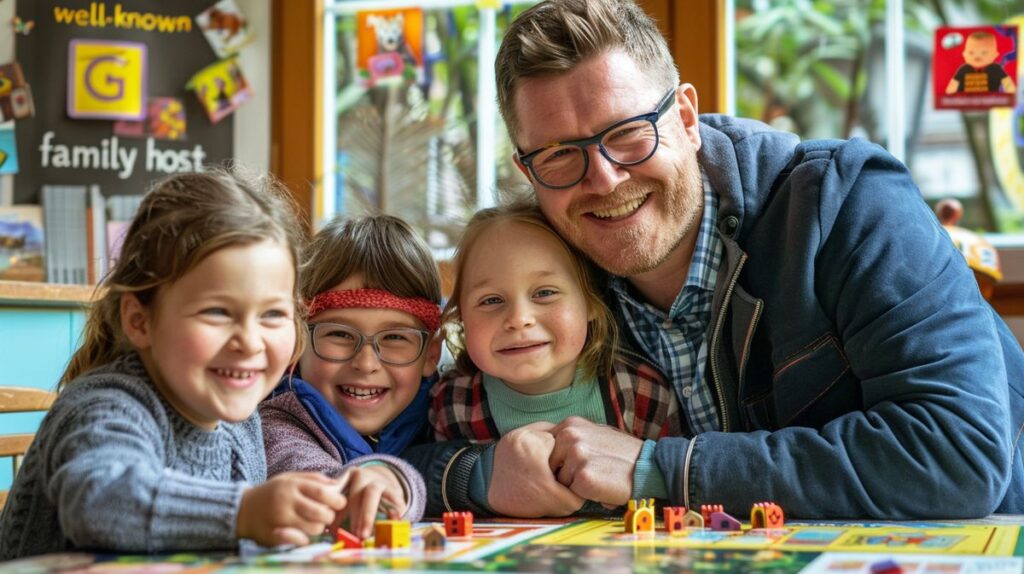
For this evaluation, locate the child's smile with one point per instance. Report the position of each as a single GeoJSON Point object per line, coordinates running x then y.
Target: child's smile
{"type": "Point", "coordinates": [237, 378]}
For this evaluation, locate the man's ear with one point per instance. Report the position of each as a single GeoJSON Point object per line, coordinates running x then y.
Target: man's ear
{"type": "Point", "coordinates": [433, 354]}
{"type": "Point", "coordinates": [522, 168]}
{"type": "Point", "coordinates": [686, 98]}
{"type": "Point", "coordinates": [136, 321]}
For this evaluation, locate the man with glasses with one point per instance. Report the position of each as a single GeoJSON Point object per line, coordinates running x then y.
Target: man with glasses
{"type": "Point", "coordinates": [827, 342]}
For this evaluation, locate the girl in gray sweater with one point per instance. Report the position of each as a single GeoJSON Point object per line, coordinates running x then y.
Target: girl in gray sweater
{"type": "Point", "coordinates": [154, 443]}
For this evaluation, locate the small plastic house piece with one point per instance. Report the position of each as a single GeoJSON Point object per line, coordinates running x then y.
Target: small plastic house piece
{"type": "Point", "coordinates": [766, 515]}
{"type": "Point", "coordinates": [434, 539]}
{"type": "Point", "coordinates": [721, 521]}
{"type": "Point", "coordinates": [639, 516]}
{"type": "Point", "coordinates": [707, 509]}
{"type": "Point", "coordinates": [391, 534]}
{"type": "Point", "coordinates": [345, 539]}
{"type": "Point", "coordinates": [674, 521]}
{"type": "Point", "coordinates": [458, 523]}
{"type": "Point", "coordinates": [693, 520]}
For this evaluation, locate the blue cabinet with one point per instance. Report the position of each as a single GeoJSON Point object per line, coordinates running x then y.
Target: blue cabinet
{"type": "Point", "coordinates": [40, 326]}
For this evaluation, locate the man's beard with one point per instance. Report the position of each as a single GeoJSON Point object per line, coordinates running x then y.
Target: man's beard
{"type": "Point", "coordinates": [683, 203]}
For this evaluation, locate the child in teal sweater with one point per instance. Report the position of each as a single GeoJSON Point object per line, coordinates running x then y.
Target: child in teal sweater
{"type": "Point", "coordinates": [534, 342]}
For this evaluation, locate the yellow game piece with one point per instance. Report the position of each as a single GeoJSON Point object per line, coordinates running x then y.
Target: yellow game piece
{"type": "Point", "coordinates": [391, 534]}
{"type": "Point", "coordinates": [639, 516]}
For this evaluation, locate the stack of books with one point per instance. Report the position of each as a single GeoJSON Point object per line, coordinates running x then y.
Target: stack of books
{"type": "Point", "coordinates": [72, 238]}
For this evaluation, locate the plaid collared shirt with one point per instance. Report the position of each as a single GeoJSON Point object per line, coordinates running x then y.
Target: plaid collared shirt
{"type": "Point", "coordinates": [636, 400]}
{"type": "Point", "coordinates": [676, 341]}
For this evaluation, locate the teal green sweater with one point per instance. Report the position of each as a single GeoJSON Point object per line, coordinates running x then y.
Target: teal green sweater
{"type": "Point", "coordinates": [511, 409]}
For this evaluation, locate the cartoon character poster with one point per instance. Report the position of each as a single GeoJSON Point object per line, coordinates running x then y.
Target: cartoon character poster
{"type": "Point", "coordinates": [165, 120]}
{"type": "Point", "coordinates": [225, 28]}
{"type": "Point", "coordinates": [389, 45]}
{"type": "Point", "coordinates": [221, 88]}
{"type": "Point", "coordinates": [975, 67]}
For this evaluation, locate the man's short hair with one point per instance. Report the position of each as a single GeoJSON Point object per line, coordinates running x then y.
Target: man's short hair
{"type": "Point", "coordinates": [556, 35]}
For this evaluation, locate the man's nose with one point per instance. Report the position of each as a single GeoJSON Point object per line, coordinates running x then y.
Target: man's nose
{"type": "Point", "coordinates": [603, 175]}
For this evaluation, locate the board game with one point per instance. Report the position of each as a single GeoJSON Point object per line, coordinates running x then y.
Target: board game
{"type": "Point", "coordinates": [603, 546]}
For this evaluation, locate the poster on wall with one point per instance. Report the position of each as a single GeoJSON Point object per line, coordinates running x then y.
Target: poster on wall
{"type": "Point", "coordinates": [165, 120]}
{"type": "Point", "coordinates": [389, 45]}
{"type": "Point", "coordinates": [15, 93]}
{"type": "Point", "coordinates": [221, 87]}
{"type": "Point", "coordinates": [104, 62]}
{"type": "Point", "coordinates": [975, 67]}
{"type": "Point", "coordinates": [106, 80]}
{"type": "Point", "coordinates": [225, 28]}
{"type": "Point", "coordinates": [8, 151]}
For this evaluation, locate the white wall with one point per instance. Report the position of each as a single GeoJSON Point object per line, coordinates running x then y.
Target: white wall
{"type": "Point", "coordinates": [1011, 258]}
{"type": "Point", "coordinates": [252, 120]}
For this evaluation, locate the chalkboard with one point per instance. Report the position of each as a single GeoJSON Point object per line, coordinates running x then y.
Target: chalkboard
{"type": "Point", "coordinates": [175, 50]}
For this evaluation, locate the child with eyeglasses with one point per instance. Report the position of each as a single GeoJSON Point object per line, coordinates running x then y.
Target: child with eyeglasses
{"type": "Point", "coordinates": [361, 387]}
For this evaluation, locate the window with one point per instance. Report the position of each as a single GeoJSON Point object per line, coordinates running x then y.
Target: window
{"type": "Point", "coordinates": [426, 143]}
{"type": "Point", "coordinates": [821, 69]}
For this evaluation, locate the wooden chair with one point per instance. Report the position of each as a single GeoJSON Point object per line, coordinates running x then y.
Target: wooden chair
{"type": "Point", "coordinates": [20, 400]}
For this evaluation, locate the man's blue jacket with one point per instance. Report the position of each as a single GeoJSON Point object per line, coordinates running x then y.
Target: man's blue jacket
{"type": "Point", "coordinates": [857, 368]}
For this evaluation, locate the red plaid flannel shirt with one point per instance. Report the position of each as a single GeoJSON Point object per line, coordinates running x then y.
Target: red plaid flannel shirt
{"type": "Point", "coordinates": [636, 400]}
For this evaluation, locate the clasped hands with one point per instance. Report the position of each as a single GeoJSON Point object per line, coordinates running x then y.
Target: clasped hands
{"type": "Point", "coordinates": [544, 469]}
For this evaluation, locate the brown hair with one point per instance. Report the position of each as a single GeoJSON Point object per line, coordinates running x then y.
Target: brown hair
{"type": "Point", "coordinates": [602, 333]}
{"type": "Point", "coordinates": [384, 248]}
{"type": "Point", "coordinates": [182, 220]}
{"type": "Point", "coordinates": [556, 35]}
{"type": "Point", "coordinates": [981, 35]}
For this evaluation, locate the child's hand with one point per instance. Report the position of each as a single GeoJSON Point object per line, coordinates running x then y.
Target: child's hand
{"type": "Point", "coordinates": [370, 489]}
{"type": "Point", "coordinates": [289, 508]}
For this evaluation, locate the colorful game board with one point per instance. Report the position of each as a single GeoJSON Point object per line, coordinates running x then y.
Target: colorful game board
{"type": "Point", "coordinates": [921, 538]}
{"type": "Point", "coordinates": [601, 546]}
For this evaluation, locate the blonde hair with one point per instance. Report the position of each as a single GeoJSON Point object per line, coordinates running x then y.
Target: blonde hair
{"type": "Point", "coordinates": [555, 36]}
{"type": "Point", "coordinates": [602, 334]}
{"type": "Point", "coordinates": [182, 220]}
{"type": "Point", "coordinates": [385, 249]}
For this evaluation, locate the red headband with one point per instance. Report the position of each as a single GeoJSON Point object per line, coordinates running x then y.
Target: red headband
{"type": "Point", "coordinates": [422, 309]}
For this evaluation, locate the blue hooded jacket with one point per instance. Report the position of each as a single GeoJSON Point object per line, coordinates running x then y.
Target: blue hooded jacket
{"type": "Point", "coordinates": [407, 428]}
{"type": "Point", "coordinates": [857, 368]}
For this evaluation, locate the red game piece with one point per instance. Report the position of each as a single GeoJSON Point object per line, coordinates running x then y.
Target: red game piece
{"type": "Point", "coordinates": [345, 539]}
{"type": "Point", "coordinates": [707, 509]}
{"type": "Point", "coordinates": [458, 523]}
{"type": "Point", "coordinates": [674, 518]}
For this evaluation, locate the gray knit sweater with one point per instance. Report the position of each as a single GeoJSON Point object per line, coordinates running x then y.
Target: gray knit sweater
{"type": "Point", "coordinates": [295, 441]}
{"type": "Point", "coordinates": [115, 467]}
